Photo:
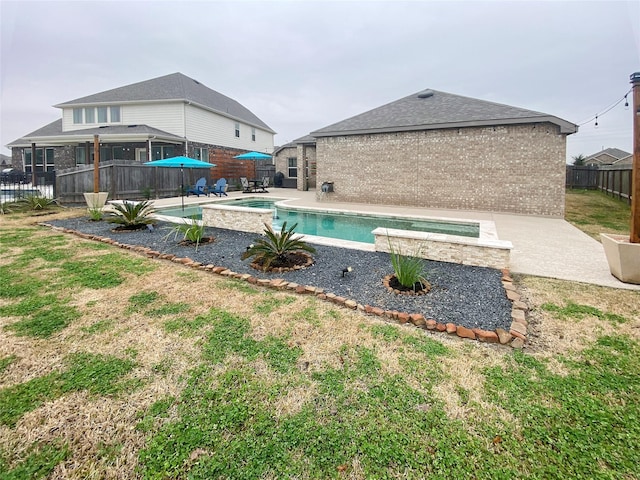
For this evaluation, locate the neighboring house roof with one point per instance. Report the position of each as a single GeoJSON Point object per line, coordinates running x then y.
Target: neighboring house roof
{"type": "Point", "coordinates": [431, 109]}
{"type": "Point", "coordinates": [607, 156]}
{"type": "Point", "coordinates": [176, 87]}
{"type": "Point", "coordinates": [5, 159]}
{"type": "Point", "coordinates": [293, 144]}
{"type": "Point", "coordinates": [52, 133]}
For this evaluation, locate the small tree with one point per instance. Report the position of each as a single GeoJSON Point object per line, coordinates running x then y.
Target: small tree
{"type": "Point", "coordinates": [578, 160]}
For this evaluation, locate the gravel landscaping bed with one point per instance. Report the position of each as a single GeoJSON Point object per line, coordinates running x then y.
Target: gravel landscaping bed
{"type": "Point", "coordinates": [469, 296]}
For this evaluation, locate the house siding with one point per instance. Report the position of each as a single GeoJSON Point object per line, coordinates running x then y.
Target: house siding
{"type": "Point", "coordinates": [210, 128]}
{"type": "Point", "coordinates": [516, 169]}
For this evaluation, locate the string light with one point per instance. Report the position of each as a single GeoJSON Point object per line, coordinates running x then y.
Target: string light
{"type": "Point", "coordinates": [607, 110]}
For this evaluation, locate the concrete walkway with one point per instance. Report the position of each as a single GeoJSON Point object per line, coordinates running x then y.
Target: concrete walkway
{"type": "Point", "coordinates": [545, 247]}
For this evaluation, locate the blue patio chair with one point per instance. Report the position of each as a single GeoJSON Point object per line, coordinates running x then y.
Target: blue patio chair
{"type": "Point", "coordinates": [220, 188]}
{"type": "Point", "coordinates": [200, 188]}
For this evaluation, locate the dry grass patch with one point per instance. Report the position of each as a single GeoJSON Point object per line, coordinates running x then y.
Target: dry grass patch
{"type": "Point", "coordinates": [617, 311]}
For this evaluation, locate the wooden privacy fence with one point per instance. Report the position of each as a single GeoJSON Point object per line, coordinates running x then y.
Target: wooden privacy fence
{"type": "Point", "coordinates": [130, 180]}
{"type": "Point", "coordinates": [582, 177]}
{"type": "Point", "coordinates": [615, 181]}
{"type": "Point", "coordinates": [612, 180]}
{"type": "Point", "coordinates": [126, 180]}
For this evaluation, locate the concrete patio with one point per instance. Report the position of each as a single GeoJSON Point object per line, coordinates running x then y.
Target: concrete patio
{"type": "Point", "coordinates": [545, 247]}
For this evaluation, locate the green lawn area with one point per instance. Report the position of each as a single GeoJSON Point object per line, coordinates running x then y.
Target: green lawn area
{"type": "Point", "coordinates": [113, 365]}
{"type": "Point", "coordinates": [593, 212]}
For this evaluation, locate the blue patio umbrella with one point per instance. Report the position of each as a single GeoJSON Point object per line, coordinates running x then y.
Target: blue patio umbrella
{"type": "Point", "coordinates": [182, 163]}
{"type": "Point", "coordinates": [253, 156]}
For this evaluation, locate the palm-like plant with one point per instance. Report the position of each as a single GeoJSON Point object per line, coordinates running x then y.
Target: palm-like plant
{"type": "Point", "coordinates": [133, 215]}
{"type": "Point", "coordinates": [35, 202]}
{"type": "Point", "coordinates": [277, 248]}
{"type": "Point", "coordinates": [191, 230]}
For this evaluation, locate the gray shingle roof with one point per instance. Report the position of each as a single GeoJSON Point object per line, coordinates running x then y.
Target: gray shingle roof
{"type": "Point", "coordinates": [431, 109]}
{"type": "Point", "coordinates": [54, 129]}
{"type": "Point", "coordinates": [614, 152]}
{"type": "Point", "coordinates": [175, 86]}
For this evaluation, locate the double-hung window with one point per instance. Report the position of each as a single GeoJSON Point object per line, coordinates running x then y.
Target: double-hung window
{"type": "Point", "coordinates": [293, 167]}
{"type": "Point", "coordinates": [77, 116]}
{"type": "Point", "coordinates": [237, 130]}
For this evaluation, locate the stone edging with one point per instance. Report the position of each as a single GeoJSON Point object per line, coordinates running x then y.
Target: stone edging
{"type": "Point", "coordinates": [516, 337]}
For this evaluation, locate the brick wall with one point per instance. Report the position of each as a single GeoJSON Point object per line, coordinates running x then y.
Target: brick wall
{"type": "Point", "coordinates": [516, 169]}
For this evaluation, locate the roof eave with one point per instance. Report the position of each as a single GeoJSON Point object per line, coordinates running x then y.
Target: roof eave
{"type": "Point", "coordinates": [61, 140]}
{"type": "Point", "coordinates": [565, 127]}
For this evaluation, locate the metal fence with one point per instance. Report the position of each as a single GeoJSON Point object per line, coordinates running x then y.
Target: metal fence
{"type": "Point", "coordinates": [17, 185]}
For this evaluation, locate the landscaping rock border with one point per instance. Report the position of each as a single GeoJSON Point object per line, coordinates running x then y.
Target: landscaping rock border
{"type": "Point", "coordinates": [516, 337]}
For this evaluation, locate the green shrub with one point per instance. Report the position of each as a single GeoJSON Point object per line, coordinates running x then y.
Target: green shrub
{"type": "Point", "coordinates": [133, 214]}
{"type": "Point", "coordinates": [35, 202]}
{"type": "Point", "coordinates": [409, 270]}
{"type": "Point", "coordinates": [276, 248]}
{"type": "Point", "coordinates": [95, 214]}
{"type": "Point", "coordinates": [191, 230]}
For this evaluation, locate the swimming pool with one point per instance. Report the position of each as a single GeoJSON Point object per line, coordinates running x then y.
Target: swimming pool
{"type": "Point", "coordinates": [356, 227]}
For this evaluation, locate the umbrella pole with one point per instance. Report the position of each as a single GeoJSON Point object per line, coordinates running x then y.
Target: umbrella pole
{"type": "Point", "coordinates": [182, 186]}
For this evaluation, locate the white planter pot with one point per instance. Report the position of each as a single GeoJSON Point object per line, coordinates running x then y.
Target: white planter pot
{"type": "Point", "coordinates": [623, 257]}
{"type": "Point", "coordinates": [96, 200]}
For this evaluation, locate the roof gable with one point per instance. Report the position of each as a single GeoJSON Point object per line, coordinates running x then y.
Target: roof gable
{"type": "Point", "coordinates": [173, 87]}
{"type": "Point", "coordinates": [615, 153]}
{"type": "Point", "coordinates": [431, 109]}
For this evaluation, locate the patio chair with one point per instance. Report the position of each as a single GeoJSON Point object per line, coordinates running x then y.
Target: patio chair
{"type": "Point", "coordinates": [220, 188]}
{"type": "Point", "coordinates": [265, 184]}
{"type": "Point", "coordinates": [245, 185]}
{"type": "Point", "coordinates": [200, 188]}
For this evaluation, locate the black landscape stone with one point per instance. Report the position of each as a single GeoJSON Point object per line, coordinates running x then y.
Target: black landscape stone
{"type": "Point", "coordinates": [464, 295]}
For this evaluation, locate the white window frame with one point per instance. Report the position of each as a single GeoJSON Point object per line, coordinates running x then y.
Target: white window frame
{"type": "Point", "coordinates": [237, 127]}
{"type": "Point", "coordinates": [253, 134]}
{"type": "Point", "coordinates": [78, 116]}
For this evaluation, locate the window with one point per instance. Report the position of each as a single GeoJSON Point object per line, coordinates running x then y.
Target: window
{"type": "Point", "coordinates": [161, 151]}
{"type": "Point", "coordinates": [115, 114]}
{"type": "Point", "coordinates": [105, 153]}
{"type": "Point", "coordinates": [102, 114]}
{"type": "Point", "coordinates": [89, 115]}
{"type": "Point", "coordinates": [118, 153]}
{"type": "Point", "coordinates": [44, 159]}
{"type": "Point", "coordinates": [293, 167]}
{"type": "Point", "coordinates": [81, 155]}
{"type": "Point", "coordinates": [201, 154]}
{"type": "Point", "coordinates": [237, 130]}
{"type": "Point", "coordinates": [77, 116]}
{"type": "Point", "coordinates": [253, 134]}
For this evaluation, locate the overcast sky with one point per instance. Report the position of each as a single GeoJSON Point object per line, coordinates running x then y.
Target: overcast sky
{"type": "Point", "coordinates": [302, 65]}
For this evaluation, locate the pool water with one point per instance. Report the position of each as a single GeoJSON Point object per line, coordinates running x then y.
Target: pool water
{"type": "Point", "coordinates": [358, 228]}
{"type": "Point", "coordinates": [344, 226]}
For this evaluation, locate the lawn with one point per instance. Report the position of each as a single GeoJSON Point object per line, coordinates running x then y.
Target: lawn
{"type": "Point", "coordinates": [113, 365]}
{"type": "Point", "coordinates": [594, 213]}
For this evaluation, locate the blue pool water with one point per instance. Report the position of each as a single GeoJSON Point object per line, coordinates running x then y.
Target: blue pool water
{"type": "Point", "coordinates": [358, 228]}
{"type": "Point", "coordinates": [344, 226]}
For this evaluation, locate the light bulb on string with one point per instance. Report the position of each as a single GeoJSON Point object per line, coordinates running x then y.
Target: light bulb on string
{"type": "Point", "coordinates": [596, 125]}
{"type": "Point", "coordinates": [626, 102]}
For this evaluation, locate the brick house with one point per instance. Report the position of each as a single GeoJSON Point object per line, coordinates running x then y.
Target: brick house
{"type": "Point", "coordinates": [609, 156]}
{"type": "Point", "coordinates": [296, 160]}
{"type": "Point", "coordinates": [446, 151]}
{"type": "Point", "coordinates": [153, 119]}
